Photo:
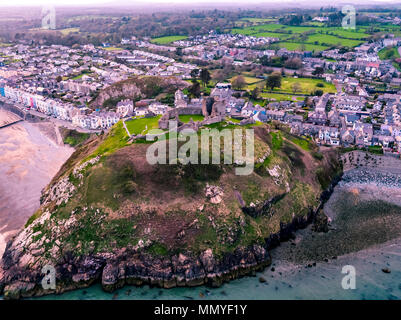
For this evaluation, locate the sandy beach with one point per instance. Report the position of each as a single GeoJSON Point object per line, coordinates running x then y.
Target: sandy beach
{"type": "Point", "coordinates": [30, 155]}
{"type": "Point", "coordinates": [7, 117]}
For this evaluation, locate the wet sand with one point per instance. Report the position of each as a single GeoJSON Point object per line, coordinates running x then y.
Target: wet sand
{"type": "Point", "coordinates": [30, 155]}
{"type": "Point", "coordinates": [7, 117]}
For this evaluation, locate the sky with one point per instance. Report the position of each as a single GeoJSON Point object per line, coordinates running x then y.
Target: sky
{"type": "Point", "coordinates": [99, 2]}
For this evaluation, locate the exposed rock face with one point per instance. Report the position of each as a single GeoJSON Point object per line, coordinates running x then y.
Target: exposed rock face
{"type": "Point", "coordinates": [138, 87]}
{"type": "Point", "coordinates": [125, 90]}
{"type": "Point", "coordinates": [19, 279]}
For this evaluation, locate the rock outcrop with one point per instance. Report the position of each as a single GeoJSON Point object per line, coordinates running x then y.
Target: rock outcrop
{"type": "Point", "coordinates": [181, 226]}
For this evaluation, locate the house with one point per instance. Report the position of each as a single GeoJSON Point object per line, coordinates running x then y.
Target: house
{"type": "Point", "coordinates": [222, 85]}
{"type": "Point", "coordinates": [334, 118]}
{"type": "Point", "coordinates": [221, 93]}
{"type": "Point", "coordinates": [125, 108]}
{"type": "Point", "coordinates": [248, 110]}
{"type": "Point", "coordinates": [363, 133]}
{"type": "Point", "coordinates": [318, 118]}
{"type": "Point", "coordinates": [158, 108]}
{"type": "Point", "coordinates": [291, 118]}
{"type": "Point", "coordinates": [351, 118]}
{"type": "Point", "coordinates": [347, 137]}
{"type": "Point", "coordinates": [347, 102]}
{"type": "Point", "coordinates": [275, 115]}
{"type": "Point", "coordinates": [329, 135]}
{"type": "Point", "coordinates": [141, 111]}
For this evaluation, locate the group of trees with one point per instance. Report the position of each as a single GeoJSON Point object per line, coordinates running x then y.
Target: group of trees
{"type": "Point", "coordinates": [202, 75]}
{"type": "Point", "coordinates": [273, 81]}
{"type": "Point", "coordinates": [238, 82]}
{"type": "Point", "coordinates": [119, 23]}
{"type": "Point", "coordinates": [295, 19]}
{"type": "Point", "coordinates": [274, 61]}
{"type": "Point", "coordinates": [318, 71]}
{"type": "Point", "coordinates": [279, 62]}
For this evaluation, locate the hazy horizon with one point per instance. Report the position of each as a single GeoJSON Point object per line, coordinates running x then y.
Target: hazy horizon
{"type": "Point", "coordinates": [308, 3]}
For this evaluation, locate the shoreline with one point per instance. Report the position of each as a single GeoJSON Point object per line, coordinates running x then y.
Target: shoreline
{"type": "Point", "coordinates": [31, 156]}
{"type": "Point", "coordinates": [287, 281]}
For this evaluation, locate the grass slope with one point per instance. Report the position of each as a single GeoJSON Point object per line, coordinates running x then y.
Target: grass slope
{"type": "Point", "coordinates": [167, 39]}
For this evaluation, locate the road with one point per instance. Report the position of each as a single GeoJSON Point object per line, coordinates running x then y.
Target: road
{"type": "Point", "coordinates": [60, 123]}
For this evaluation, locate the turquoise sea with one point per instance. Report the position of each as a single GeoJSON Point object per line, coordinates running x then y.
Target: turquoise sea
{"type": "Point", "coordinates": [287, 281]}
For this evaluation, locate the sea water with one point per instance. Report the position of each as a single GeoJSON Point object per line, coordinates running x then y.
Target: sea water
{"type": "Point", "coordinates": [287, 281]}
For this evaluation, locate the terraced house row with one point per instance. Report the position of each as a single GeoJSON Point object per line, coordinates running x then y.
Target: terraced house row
{"type": "Point", "coordinates": [79, 116]}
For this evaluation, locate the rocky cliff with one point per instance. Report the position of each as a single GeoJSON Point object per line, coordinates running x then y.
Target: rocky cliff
{"type": "Point", "coordinates": [138, 87]}
{"type": "Point", "coordinates": [110, 216]}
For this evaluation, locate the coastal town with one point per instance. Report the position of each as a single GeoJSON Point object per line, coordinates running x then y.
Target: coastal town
{"type": "Point", "coordinates": [106, 110]}
{"type": "Point", "coordinates": [60, 82]}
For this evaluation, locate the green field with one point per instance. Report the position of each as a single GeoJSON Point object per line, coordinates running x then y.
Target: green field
{"type": "Point", "coordinates": [281, 36]}
{"type": "Point", "coordinates": [357, 35]}
{"type": "Point", "coordinates": [318, 38]}
{"type": "Point", "coordinates": [142, 125]}
{"type": "Point", "coordinates": [78, 76]}
{"type": "Point", "coordinates": [251, 82]}
{"type": "Point", "coordinates": [68, 31]}
{"type": "Point", "coordinates": [168, 39]}
{"type": "Point", "coordinates": [112, 48]}
{"type": "Point", "coordinates": [281, 97]}
{"type": "Point", "coordinates": [388, 53]}
{"type": "Point", "coordinates": [307, 85]}
{"type": "Point", "coordinates": [330, 40]}
{"type": "Point", "coordinates": [194, 117]}
{"type": "Point", "coordinates": [254, 21]}
{"type": "Point", "coordinates": [258, 20]}
{"type": "Point", "coordinates": [294, 46]}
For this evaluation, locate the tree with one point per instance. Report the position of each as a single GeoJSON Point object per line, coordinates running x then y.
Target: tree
{"type": "Point", "coordinates": [238, 82]}
{"type": "Point", "coordinates": [318, 92]}
{"type": "Point", "coordinates": [307, 102]}
{"type": "Point", "coordinates": [273, 81]}
{"type": "Point", "coordinates": [178, 51]}
{"type": "Point", "coordinates": [255, 93]}
{"type": "Point", "coordinates": [194, 90]}
{"type": "Point", "coordinates": [318, 71]}
{"type": "Point", "coordinates": [294, 63]}
{"type": "Point", "coordinates": [296, 87]}
{"type": "Point", "coordinates": [194, 73]}
{"type": "Point", "coordinates": [219, 75]}
{"type": "Point", "coordinates": [205, 76]}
